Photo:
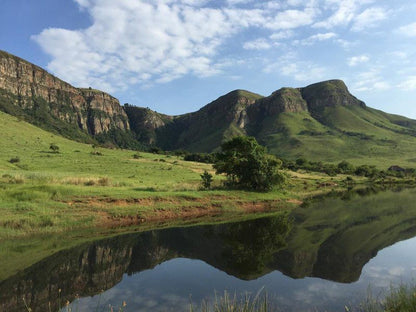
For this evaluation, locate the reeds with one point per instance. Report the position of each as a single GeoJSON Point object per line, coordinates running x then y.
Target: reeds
{"type": "Point", "coordinates": [244, 303]}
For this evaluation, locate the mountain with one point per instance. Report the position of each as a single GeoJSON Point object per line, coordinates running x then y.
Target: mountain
{"type": "Point", "coordinates": [29, 92]}
{"type": "Point", "coordinates": [321, 122]}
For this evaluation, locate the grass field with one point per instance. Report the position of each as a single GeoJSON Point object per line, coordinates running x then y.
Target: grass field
{"type": "Point", "coordinates": [84, 186]}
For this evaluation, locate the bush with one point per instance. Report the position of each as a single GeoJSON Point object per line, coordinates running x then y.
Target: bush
{"type": "Point", "coordinates": [14, 160]}
{"type": "Point", "coordinates": [54, 148]}
{"type": "Point", "coordinates": [206, 179]}
{"type": "Point", "coordinates": [137, 156]}
{"type": "Point", "coordinates": [96, 153]}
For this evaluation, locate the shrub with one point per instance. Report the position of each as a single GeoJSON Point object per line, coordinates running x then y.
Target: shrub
{"type": "Point", "coordinates": [54, 148]}
{"type": "Point", "coordinates": [14, 160]}
{"type": "Point", "coordinates": [96, 153]}
{"type": "Point", "coordinates": [206, 179]}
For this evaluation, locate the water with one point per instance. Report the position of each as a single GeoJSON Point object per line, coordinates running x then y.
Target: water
{"type": "Point", "coordinates": [323, 256]}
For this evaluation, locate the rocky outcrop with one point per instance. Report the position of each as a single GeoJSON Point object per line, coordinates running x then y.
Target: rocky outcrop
{"type": "Point", "coordinates": [144, 122]}
{"type": "Point", "coordinates": [30, 89]}
{"type": "Point", "coordinates": [328, 94]}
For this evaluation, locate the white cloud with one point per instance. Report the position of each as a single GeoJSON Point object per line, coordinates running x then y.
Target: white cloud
{"type": "Point", "coordinates": [370, 81]}
{"type": "Point", "coordinates": [369, 18]}
{"type": "Point", "coordinates": [303, 71]}
{"type": "Point", "coordinates": [258, 44]}
{"type": "Point", "coordinates": [355, 60]}
{"type": "Point", "coordinates": [408, 84]}
{"type": "Point", "coordinates": [290, 19]}
{"type": "Point", "coordinates": [136, 40]}
{"type": "Point", "coordinates": [284, 34]}
{"type": "Point", "coordinates": [408, 30]}
{"type": "Point", "coordinates": [316, 38]}
{"type": "Point", "coordinates": [343, 13]}
{"type": "Point", "coordinates": [146, 41]}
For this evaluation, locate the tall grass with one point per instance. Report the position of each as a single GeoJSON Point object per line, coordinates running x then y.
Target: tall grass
{"type": "Point", "coordinates": [398, 299]}
{"type": "Point", "coordinates": [228, 303]}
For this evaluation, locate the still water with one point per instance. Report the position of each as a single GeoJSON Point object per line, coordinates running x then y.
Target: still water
{"type": "Point", "coordinates": [322, 256]}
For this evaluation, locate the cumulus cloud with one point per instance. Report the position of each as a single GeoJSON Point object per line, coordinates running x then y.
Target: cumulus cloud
{"type": "Point", "coordinates": [370, 81]}
{"type": "Point", "coordinates": [258, 44]}
{"type": "Point", "coordinates": [408, 30]}
{"type": "Point", "coordinates": [284, 34]}
{"type": "Point", "coordinates": [343, 13]}
{"type": "Point", "coordinates": [408, 84]}
{"type": "Point", "coordinates": [316, 38]}
{"type": "Point", "coordinates": [369, 18]}
{"type": "Point", "coordinates": [355, 60]}
{"type": "Point", "coordinates": [137, 41]}
{"type": "Point", "coordinates": [302, 71]}
{"type": "Point", "coordinates": [132, 42]}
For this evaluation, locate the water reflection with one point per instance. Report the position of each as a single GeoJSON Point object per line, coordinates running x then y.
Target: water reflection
{"type": "Point", "coordinates": [331, 239]}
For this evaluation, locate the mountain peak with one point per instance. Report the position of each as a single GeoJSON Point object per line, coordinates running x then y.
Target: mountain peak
{"type": "Point", "coordinates": [329, 93]}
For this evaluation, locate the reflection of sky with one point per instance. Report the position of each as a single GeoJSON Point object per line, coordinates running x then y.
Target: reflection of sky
{"type": "Point", "coordinates": [168, 286]}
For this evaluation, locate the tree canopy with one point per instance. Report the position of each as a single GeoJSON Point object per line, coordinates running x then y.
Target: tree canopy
{"type": "Point", "coordinates": [247, 165]}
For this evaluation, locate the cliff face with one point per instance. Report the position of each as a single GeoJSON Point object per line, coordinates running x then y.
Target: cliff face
{"type": "Point", "coordinates": [30, 88]}
{"type": "Point", "coordinates": [329, 94]}
{"type": "Point", "coordinates": [144, 122]}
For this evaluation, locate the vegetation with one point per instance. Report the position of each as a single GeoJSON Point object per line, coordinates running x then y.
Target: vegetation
{"type": "Point", "coordinates": [206, 180]}
{"type": "Point", "coordinates": [228, 303]}
{"type": "Point", "coordinates": [53, 192]}
{"type": "Point", "coordinates": [54, 148]}
{"type": "Point", "coordinates": [345, 167]}
{"type": "Point", "coordinates": [398, 299]}
{"type": "Point", "coordinates": [247, 165]}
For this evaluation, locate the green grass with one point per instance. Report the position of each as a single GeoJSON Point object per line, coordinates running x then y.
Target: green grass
{"type": "Point", "coordinates": [84, 186]}
{"type": "Point", "coordinates": [228, 303]}
{"type": "Point", "coordinates": [358, 135]}
{"type": "Point", "coordinates": [397, 299]}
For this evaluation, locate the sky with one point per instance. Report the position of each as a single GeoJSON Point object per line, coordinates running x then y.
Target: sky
{"type": "Point", "coordinates": [175, 56]}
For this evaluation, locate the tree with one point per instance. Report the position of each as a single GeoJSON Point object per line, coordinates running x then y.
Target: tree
{"type": "Point", "coordinates": [346, 167]}
{"type": "Point", "coordinates": [247, 165]}
{"type": "Point", "coordinates": [206, 179]}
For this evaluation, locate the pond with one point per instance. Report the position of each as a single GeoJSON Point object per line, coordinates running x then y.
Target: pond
{"type": "Point", "coordinates": [321, 256]}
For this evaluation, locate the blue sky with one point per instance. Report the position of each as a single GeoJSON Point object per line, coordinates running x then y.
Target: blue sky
{"type": "Point", "coordinates": [175, 56]}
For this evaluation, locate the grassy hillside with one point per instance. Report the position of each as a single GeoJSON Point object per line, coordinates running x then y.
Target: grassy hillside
{"type": "Point", "coordinates": [354, 133]}
{"type": "Point", "coordinates": [206, 129]}
{"type": "Point", "coordinates": [84, 186]}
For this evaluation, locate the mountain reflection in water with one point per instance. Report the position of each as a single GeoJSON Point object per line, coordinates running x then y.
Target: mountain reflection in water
{"type": "Point", "coordinates": [332, 239]}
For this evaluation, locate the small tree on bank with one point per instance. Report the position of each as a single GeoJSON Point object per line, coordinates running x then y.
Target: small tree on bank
{"type": "Point", "coordinates": [247, 165]}
{"type": "Point", "coordinates": [206, 179]}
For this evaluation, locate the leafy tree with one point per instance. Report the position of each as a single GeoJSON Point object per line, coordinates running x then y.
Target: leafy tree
{"type": "Point", "coordinates": [206, 179]}
{"type": "Point", "coordinates": [247, 165]}
{"type": "Point", "coordinates": [346, 167]}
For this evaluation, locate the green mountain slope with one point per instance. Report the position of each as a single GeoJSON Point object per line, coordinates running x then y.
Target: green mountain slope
{"type": "Point", "coordinates": [321, 122]}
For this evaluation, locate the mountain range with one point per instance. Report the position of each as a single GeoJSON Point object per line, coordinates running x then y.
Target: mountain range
{"type": "Point", "coordinates": [322, 121]}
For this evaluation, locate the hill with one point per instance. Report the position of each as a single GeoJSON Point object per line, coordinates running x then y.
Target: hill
{"type": "Point", "coordinates": [31, 93]}
{"type": "Point", "coordinates": [320, 122]}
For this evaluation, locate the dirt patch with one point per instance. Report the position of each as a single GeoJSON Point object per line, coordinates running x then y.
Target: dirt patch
{"type": "Point", "coordinates": [295, 201]}
{"type": "Point", "coordinates": [113, 212]}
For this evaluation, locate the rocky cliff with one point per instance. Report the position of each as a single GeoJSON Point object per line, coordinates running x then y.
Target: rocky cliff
{"type": "Point", "coordinates": [321, 122]}
{"type": "Point", "coordinates": [28, 90]}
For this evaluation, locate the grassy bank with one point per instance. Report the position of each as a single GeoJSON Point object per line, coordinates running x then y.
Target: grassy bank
{"type": "Point", "coordinates": [74, 185]}
{"type": "Point", "coordinates": [51, 184]}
